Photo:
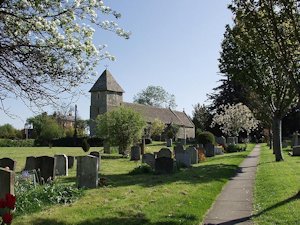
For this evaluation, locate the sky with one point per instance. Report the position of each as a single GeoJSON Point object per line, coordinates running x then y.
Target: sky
{"type": "Point", "coordinates": [174, 44]}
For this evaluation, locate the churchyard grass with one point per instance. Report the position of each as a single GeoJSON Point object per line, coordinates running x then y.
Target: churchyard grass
{"type": "Point", "coordinates": [180, 198]}
{"type": "Point", "coordinates": [277, 184]}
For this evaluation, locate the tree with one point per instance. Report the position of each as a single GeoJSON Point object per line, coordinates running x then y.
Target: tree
{"type": "Point", "coordinates": [155, 96]}
{"type": "Point", "coordinates": [201, 117]}
{"type": "Point", "coordinates": [8, 131]}
{"type": "Point", "coordinates": [235, 118]}
{"type": "Point", "coordinates": [120, 127]}
{"type": "Point", "coordinates": [46, 47]}
{"type": "Point", "coordinates": [263, 52]}
{"type": "Point", "coordinates": [157, 127]}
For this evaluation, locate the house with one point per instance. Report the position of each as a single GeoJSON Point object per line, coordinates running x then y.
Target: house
{"type": "Point", "coordinates": [107, 94]}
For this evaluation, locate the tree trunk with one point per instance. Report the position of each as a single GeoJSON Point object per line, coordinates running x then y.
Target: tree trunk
{"type": "Point", "coordinates": [270, 139]}
{"type": "Point", "coordinates": [277, 145]}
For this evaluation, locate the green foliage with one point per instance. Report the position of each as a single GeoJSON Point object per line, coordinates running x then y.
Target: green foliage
{"type": "Point", "coordinates": [157, 127]}
{"type": "Point", "coordinates": [201, 117]}
{"type": "Point", "coordinates": [171, 130]}
{"type": "Point", "coordinates": [142, 169]}
{"type": "Point", "coordinates": [9, 132]}
{"type": "Point", "coordinates": [155, 96]}
{"type": "Point", "coordinates": [85, 145]}
{"type": "Point", "coordinates": [16, 143]}
{"type": "Point", "coordinates": [121, 127]}
{"type": "Point", "coordinates": [31, 199]}
{"type": "Point", "coordinates": [235, 148]}
{"type": "Point", "coordinates": [205, 137]}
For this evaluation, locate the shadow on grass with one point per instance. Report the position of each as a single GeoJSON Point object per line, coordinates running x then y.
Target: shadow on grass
{"type": "Point", "coordinates": [124, 220]}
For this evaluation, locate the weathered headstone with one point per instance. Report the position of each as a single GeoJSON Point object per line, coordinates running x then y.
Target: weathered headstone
{"type": "Point", "coordinates": [45, 164]}
{"type": "Point", "coordinates": [7, 181]}
{"type": "Point", "coordinates": [193, 154]}
{"type": "Point", "coordinates": [218, 151]}
{"type": "Point", "coordinates": [164, 165]}
{"type": "Point", "coordinates": [7, 162]}
{"type": "Point", "coordinates": [87, 171]}
{"type": "Point", "coordinates": [231, 140]}
{"type": "Point", "coordinates": [135, 153]}
{"type": "Point", "coordinates": [169, 142]}
{"type": "Point", "coordinates": [143, 146]}
{"type": "Point", "coordinates": [209, 150]}
{"type": "Point", "coordinates": [296, 150]}
{"type": "Point", "coordinates": [183, 158]}
{"type": "Point", "coordinates": [71, 160]}
{"type": "Point", "coordinates": [97, 154]}
{"type": "Point", "coordinates": [183, 141]}
{"type": "Point", "coordinates": [61, 165]}
{"type": "Point", "coordinates": [221, 140]}
{"type": "Point", "coordinates": [31, 163]}
{"type": "Point", "coordinates": [149, 159]}
{"type": "Point", "coordinates": [178, 149]}
{"type": "Point", "coordinates": [236, 140]}
{"type": "Point", "coordinates": [295, 140]}
{"type": "Point", "coordinates": [164, 152]}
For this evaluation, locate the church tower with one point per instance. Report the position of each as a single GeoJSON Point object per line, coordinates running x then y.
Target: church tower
{"type": "Point", "coordinates": [106, 94]}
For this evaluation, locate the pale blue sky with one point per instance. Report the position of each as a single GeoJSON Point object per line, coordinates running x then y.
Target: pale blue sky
{"type": "Point", "coordinates": [174, 44]}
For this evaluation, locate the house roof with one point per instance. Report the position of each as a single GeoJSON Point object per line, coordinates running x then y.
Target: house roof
{"type": "Point", "coordinates": [106, 82]}
{"type": "Point", "coordinates": [166, 115]}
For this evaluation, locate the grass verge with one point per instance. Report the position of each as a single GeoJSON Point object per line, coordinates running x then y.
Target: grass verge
{"type": "Point", "coordinates": [277, 184]}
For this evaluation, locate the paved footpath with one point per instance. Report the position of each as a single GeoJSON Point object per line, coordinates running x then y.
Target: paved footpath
{"type": "Point", "coordinates": [234, 204]}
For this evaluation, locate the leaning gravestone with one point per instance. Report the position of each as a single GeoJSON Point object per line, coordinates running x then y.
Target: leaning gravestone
{"type": "Point", "coordinates": [296, 150]}
{"type": "Point", "coordinates": [193, 154]}
{"type": "Point", "coordinates": [164, 152]}
{"type": "Point", "coordinates": [149, 159]}
{"type": "Point", "coordinates": [30, 163]}
{"type": "Point", "coordinates": [87, 171]}
{"type": "Point", "coordinates": [7, 162]}
{"type": "Point", "coordinates": [7, 181]}
{"type": "Point", "coordinates": [97, 154]}
{"type": "Point", "coordinates": [61, 165]}
{"type": "Point", "coordinates": [169, 142]}
{"type": "Point", "coordinates": [71, 160]}
{"type": "Point", "coordinates": [164, 165]}
{"type": "Point", "coordinates": [183, 158]}
{"type": "Point", "coordinates": [209, 150]}
{"type": "Point", "coordinates": [45, 164]}
{"type": "Point", "coordinates": [135, 153]}
{"type": "Point", "coordinates": [231, 140]}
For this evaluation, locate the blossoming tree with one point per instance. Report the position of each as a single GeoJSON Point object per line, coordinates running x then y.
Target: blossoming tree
{"type": "Point", "coordinates": [46, 47]}
{"type": "Point", "coordinates": [234, 119]}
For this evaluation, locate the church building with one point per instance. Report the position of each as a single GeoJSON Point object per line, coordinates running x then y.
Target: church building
{"type": "Point", "coordinates": [107, 94]}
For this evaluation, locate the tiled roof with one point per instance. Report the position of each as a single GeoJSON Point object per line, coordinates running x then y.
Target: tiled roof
{"type": "Point", "coordinates": [106, 82]}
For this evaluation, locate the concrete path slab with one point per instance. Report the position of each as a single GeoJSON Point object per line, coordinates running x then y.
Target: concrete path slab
{"type": "Point", "coordinates": [235, 203]}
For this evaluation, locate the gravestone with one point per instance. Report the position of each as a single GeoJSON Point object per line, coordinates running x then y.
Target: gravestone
{"type": "Point", "coordinates": [61, 165]}
{"type": "Point", "coordinates": [45, 164]}
{"type": "Point", "coordinates": [71, 160]}
{"type": "Point", "coordinates": [183, 158]}
{"type": "Point", "coordinates": [164, 152]}
{"type": "Point", "coordinates": [193, 154]}
{"type": "Point", "coordinates": [231, 140]}
{"type": "Point", "coordinates": [143, 146]}
{"type": "Point", "coordinates": [149, 159]}
{"type": "Point", "coordinates": [218, 151]}
{"type": "Point", "coordinates": [97, 154]}
{"type": "Point", "coordinates": [183, 141]}
{"type": "Point", "coordinates": [169, 142]}
{"type": "Point", "coordinates": [106, 147]}
{"type": "Point", "coordinates": [221, 140]}
{"type": "Point", "coordinates": [209, 150]}
{"type": "Point", "coordinates": [155, 154]}
{"type": "Point", "coordinates": [31, 163]}
{"type": "Point", "coordinates": [7, 181]}
{"type": "Point", "coordinates": [295, 140]}
{"type": "Point", "coordinates": [236, 140]}
{"type": "Point", "coordinates": [7, 162]}
{"type": "Point", "coordinates": [164, 165]}
{"type": "Point", "coordinates": [296, 150]}
{"type": "Point", "coordinates": [87, 171]}
{"type": "Point", "coordinates": [135, 153]}
{"type": "Point", "coordinates": [178, 149]}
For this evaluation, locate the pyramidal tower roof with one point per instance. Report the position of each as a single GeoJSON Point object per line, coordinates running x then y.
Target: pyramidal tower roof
{"type": "Point", "coordinates": [106, 82]}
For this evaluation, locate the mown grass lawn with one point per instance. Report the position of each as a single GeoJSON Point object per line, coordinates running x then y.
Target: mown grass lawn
{"type": "Point", "coordinates": [277, 184]}
{"type": "Point", "coordinates": [180, 198]}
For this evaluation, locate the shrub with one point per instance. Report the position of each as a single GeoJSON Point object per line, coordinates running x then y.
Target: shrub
{"type": "Point", "coordinates": [16, 143]}
{"type": "Point", "coordinates": [205, 137]}
{"type": "Point", "coordinates": [85, 145]}
{"type": "Point", "coordinates": [142, 169]}
{"type": "Point", "coordinates": [235, 148]}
